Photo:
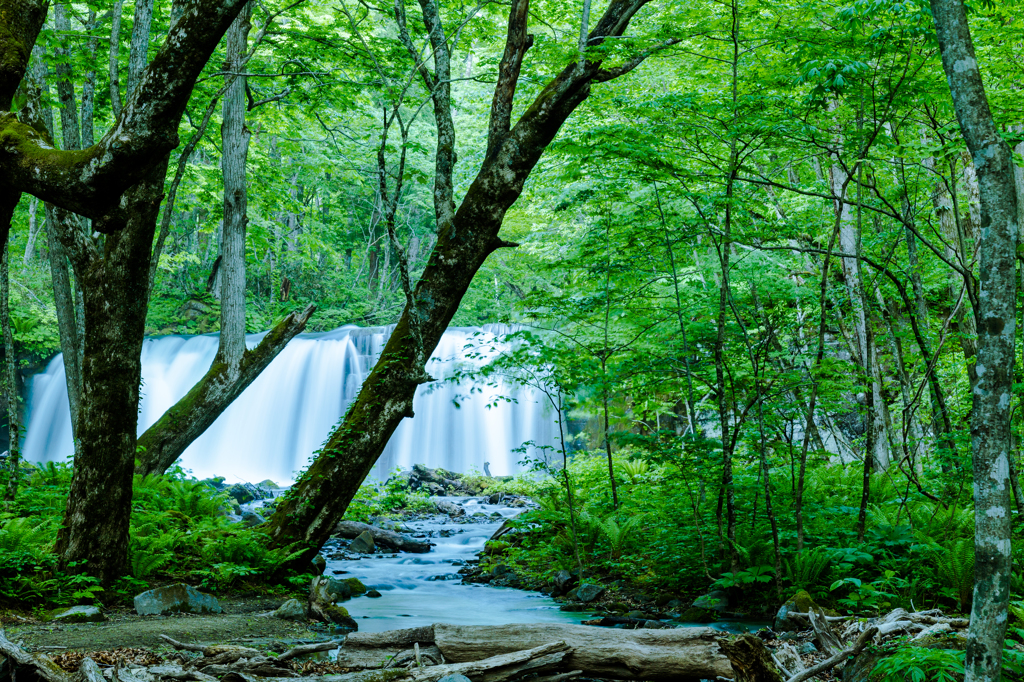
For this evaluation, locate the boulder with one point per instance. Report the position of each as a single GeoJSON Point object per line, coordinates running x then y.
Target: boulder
{"type": "Point", "coordinates": [373, 594]}
{"type": "Point", "coordinates": [80, 614]}
{"type": "Point", "coordinates": [801, 602]}
{"type": "Point", "coordinates": [338, 615]}
{"type": "Point", "coordinates": [449, 508]}
{"type": "Point", "coordinates": [319, 564]}
{"type": "Point", "coordinates": [454, 678]}
{"type": "Point", "coordinates": [363, 543]}
{"type": "Point", "coordinates": [178, 598]}
{"type": "Point", "coordinates": [246, 492]}
{"type": "Point", "coordinates": [588, 593]}
{"type": "Point", "coordinates": [563, 582]}
{"type": "Point", "coordinates": [292, 609]}
{"type": "Point", "coordinates": [717, 601]}
{"type": "Point", "coordinates": [251, 519]}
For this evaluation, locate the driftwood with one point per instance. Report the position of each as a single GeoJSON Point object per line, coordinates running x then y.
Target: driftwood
{"type": "Point", "coordinates": [751, 661]}
{"type": "Point", "coordinates": [382, 537]}
{"type": "Point", "coordinates": [862, 641]}
{"type": "Point", "coordinates": [502, 668]}
{"type": "Point", "coordinates": [826, 638]}
{"type": "Point", "coordinates": [654, 655]}
{"type": "Point", "coordinates": [221, 660]}
{"type": "Point", "coordinates": [38, 663]}
{"type": "Point", "coordinates": [89, 671]}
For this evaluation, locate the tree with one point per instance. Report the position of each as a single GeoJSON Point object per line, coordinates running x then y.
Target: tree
{"type": "Point", "coordinates": [466, 237]}
{"type": "Point", "coordinates": [996, 321]}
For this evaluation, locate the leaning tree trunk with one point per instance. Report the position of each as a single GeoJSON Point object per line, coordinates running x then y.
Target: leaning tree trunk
{"type": "Point", "coordinates": [996, 322]}
{"type": "Point", "coordinates": [10, 375]}
{"type": "Point", "coordinates": [309, 512]}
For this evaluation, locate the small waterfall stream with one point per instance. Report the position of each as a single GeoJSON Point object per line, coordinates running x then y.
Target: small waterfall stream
{"type": "Point", "coordinates": [274, 427]}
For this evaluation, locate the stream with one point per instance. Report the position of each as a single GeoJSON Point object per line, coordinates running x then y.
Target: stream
{"type": "Point", "coordinates": [411, 593]}
{"type": "Point", "coordinates": [421, 589]}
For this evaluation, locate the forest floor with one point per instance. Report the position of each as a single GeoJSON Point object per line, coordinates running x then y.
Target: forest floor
{"type": "Point", "coordinates": [241, 623]}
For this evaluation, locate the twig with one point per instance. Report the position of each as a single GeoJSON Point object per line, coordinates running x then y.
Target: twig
{"type": "Point", "coordinates": [182, 645]}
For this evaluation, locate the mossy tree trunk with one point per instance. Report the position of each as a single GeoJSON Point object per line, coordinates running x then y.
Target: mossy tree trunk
{"type": "Point", "coordinates": [320, 497]}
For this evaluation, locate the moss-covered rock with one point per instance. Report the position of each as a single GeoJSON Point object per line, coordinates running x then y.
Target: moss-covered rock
{"type": "Point", "coordinates": [695, 614]}
{"type": "Point", "coordinates": [339, 616]}
{"type": "Point", "coordinates": [801, 602]}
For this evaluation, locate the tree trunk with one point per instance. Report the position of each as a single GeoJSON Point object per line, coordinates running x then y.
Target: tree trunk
{"type": "Point", "coordinates": [10, 375]}
{"type": "Point", "coordinates": [996, 322]}
{"type": "Point", "coordinates": [94, 536]}
{"type": "Point", "coordinates": [34, 225]}
{"type": "Point", "coordinates": [235, 137]}
{"type": "Point", "coordinates": [309, 511]}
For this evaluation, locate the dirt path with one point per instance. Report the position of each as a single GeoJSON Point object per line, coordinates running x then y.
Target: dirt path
{"type": "Point", "coordinates": [239, 624]}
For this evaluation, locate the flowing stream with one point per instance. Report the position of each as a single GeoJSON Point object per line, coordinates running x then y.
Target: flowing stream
{"type": "Point", "coordinates": [276, 425]}
{"type": "Point", "coordinates": [412, 596]}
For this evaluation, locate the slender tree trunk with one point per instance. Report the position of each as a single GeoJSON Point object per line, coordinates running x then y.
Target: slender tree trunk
{"type": "Point", "coordinates": [235, 138]}
{"type": "Point", "coordinates": [10, 377]}
{"type": "Point", "coordinates": [34, 225]}
{"type": "Point", "coordinates": [996, 322]}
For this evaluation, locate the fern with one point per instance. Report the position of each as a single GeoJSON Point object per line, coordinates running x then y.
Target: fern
{"type": "Point", "coordinates": [955, 568]}
{"type": "Point", "coordinates": [634, 468]}
{"type": "Point", "coordinates": [619, 535]}
{"type": "Point", "coordinates": [806, 567]}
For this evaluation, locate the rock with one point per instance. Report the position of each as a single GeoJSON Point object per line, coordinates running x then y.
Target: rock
{"type": "Point", "coordinates": [801, 602]}
{"type": "Point", "coordinates": [445, 576]}
{"type": "Point", "coordinates": [80, 614]}
{"type": "Point", "coordinates": [454, 678]}
{"type": "Point", "coordinates": [363, 544]}
{"type": "Point", "coordinates": [717, 601]}
{"type": "Point", "coordinates": [573, 608]}
{"type": "Point", "coordinates": [563, 579]}
{"type": "Point", "coordinates": [697, 615]}
{"type": "Point", "coordinates": [500, 570]}
{"type": "Point", "coordinates": [571, 594]}
{"type": "Point", "coordinates": [449, 508]}
{"type": "Point", "coordinates": [178, 598]}
{"type": "Point", "coordinates": [373, 594]}
{"type": "Point", "coordinates": [495, 498]}
{"type": "Point", "coordinates": [292, 609]}
{"type": "Point", "coordinates": [246, 492]}
{"type": "Point", "coordinates": [806, 649]}
{"type": "Point", "coordinates": [251, 519]}
{"type": "Point", "coordinates": [217, 483]}
{"type": "Point", "coordinates": [319, 564]}
{"type": "Point", "coordinates": [654, 625]}
{"type": "Point", "coordinates": [339, 616]}
{"type": "Point", "coordinates": [588, 593]}
{"type": "Point", "coordinates": [355, 586]}
{"type": "Point", "coordinates": [268, 484]}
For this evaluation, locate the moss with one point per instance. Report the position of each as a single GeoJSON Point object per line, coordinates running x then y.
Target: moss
{"type": "Point", "coordinates": [355, 585]}
{"type": "Point", "coordinates": [697, 615]}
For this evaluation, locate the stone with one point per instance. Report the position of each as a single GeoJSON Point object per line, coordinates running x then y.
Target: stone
{"type": "Point", "coordinates": [563, 580]}
{"type": "Point", "coordinates": [500, 570]}
{"type": "Point", "coordinates": [454, 678]}
{"type": "Point", "coordinates": [292, 609]}
{"type": "Point", "coordinates": [246, 492]}
{"type": "Point", "coordinates": [178, 598]}
{"type": "Point", "coordinates": [363, 543]}
{"type": "Point", "coordinates": [801, 602]}
{"type": "Point", "coordinates": [339, 616]}
{"type": "Point", "coordinates": [80, 614]}
{"type": "Point", "coordinates": [717, 601]}
{"type": "Point", "coordinates": [494, 499]}
{"type": "Point", "coordinates": [573, 608]}
{"type": "Point", "coordinates": [372, 594]}
{"type": "Point", "coordinates": [588, 593]}
{"type": "Point", "coordinates": [250, 519]}
{"type": "Point", "coordinates": [655, 625]}
{"type": "Point", "coordinates": [355, 585]}
{"type": "Point", "coordinates": [319, 564]}
{"type": "Point", "coordinates": [449, 508]}
{"type": "Point", "coordinates": [697, 615]}
{"type": "Point", "coordinates": [806, 649]}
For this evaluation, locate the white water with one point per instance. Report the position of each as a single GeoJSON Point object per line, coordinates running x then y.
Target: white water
{"type": "Point", "coordinates": [274, 427]}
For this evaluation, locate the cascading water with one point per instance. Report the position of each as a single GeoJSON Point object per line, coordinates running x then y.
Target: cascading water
{"type": "Point", "coordinates": [274, 427]}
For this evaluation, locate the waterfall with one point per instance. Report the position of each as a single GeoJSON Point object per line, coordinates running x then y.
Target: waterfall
{"type": "Point", "coordinates": [273, 428]}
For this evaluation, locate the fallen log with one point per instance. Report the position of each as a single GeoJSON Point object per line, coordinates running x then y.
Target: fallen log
{"type": "Point", "coordinates": [41, 665]}
{"type": "Point", "coordinates": [862, 641]}
{"type": "Point", "coordinates": [751, 661]}
{"type": "Point", "coordinates": [388, 539]}
{"type": "Point", "coordinates": [546, 658]}
{"type": "Point", "coordinates": [676, 654]}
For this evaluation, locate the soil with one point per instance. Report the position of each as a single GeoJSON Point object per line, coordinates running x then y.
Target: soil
{"type": "Point", "coordinates": [241, 623]}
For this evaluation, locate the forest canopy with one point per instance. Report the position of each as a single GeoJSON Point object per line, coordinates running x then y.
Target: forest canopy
{"type": "Point", "coordinates": [761, 257]}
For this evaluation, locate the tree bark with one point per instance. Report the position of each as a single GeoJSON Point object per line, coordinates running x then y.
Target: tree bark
{"type": "Point", "coordinates": [94, 535]}
{"type": "Point", "coordinates": [996, 322]}
{"type": "Point", "coordinates": [309, 512]}
{"type": "Point", "coordinates": [11, 365]}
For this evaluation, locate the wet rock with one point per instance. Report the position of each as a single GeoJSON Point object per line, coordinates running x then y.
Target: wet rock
{"type": "Point", "coordinates": [445, 576]}
{"type": "Point", "coordinates": [654, 625]}
{"type": "Point", "coordinates": [339, 616]}
{"type": "Point", "coordinates": [495, 498]}
{"type": "Point", "coordinates": [319, 564]}
{"type": "Point", "coordinates": [588, 593]}
{"type": "Point", "coordinates": [292, 609]}
{"type": "Point", "coordinates": [501, 570]}
{"type": "Point", "coordinates": [806, 649]}
{"type": "Point", "coordinates": [246, 492]}
{"type": "Point", "coordinates": [178, 598]}
{"type": "Point", "coordinates": [697, 615]}
{"type": "Point", "coordinates": [80, 614]}
{"type": "Point", "coordinates": [454, 678]}
{"type": "Point", "coordinates": [801, 602]}
{"type": "Point", "coordinates": [251, 519]}
{"type": "Point", "coordinates": [449, 508]}
{"type": "Point", "coordinates": [573, 608]}
{"type": "Point", "coordinates": [373, 594]}
{"type": "Point", "coordinates": [717, 601]}
{"type": "Point", "coordinates": [363, 544]}
{"type": "Point", "coordinates": [562, 582]}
